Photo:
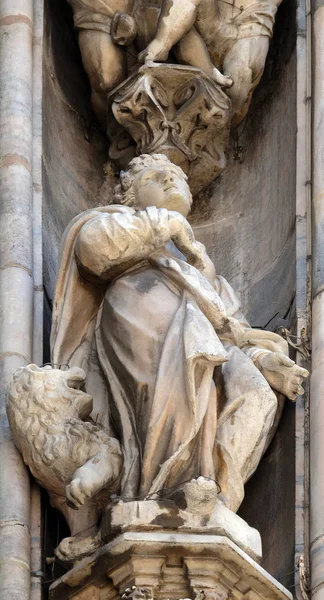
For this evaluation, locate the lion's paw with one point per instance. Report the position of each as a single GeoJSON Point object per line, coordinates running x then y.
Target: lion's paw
{"type": "Point", "coordinates": [85, 484]}
{"type": "Point", "coordinates": [72, 548]}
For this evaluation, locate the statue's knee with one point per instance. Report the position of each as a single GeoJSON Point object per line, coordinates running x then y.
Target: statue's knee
{"type": "Point", "coordinates": [104, 82]}
{"type": "Point", "coordinates": [110, 78]}
{"type": "Point", "coordinates": [260, 396]}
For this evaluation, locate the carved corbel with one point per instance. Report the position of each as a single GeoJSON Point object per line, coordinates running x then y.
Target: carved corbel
{"type": "Point", "coordinates": [177, 111]}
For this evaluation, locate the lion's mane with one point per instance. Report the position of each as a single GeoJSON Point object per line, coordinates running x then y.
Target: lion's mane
{"type": "Point", "coordinates": [43, 417]}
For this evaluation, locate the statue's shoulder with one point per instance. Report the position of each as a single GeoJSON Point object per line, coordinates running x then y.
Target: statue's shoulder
{"type": "Point", "coordinates": [94, 213]}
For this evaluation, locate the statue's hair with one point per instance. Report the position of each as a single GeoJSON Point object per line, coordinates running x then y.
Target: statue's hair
{"type": "Point", "coordinates": [123, 192]}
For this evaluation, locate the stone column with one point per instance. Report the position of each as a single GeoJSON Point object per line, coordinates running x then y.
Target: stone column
{"type": "Point", "coordinates": [303, 278]}
{"type": "Point", "coordinates": [36, 531]}
{"type": "Point", "coordinates": [16, 279]}
{"type": "Point", "coordinates": [37, 98]}
{"type": "Point", "coordinates": [317, 378]}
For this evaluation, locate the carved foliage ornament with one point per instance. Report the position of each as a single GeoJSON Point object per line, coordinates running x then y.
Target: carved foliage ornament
{"type": "Point", "coordinates": [141, 593]}
{"type": "Point", "coordinates": [179, 112]}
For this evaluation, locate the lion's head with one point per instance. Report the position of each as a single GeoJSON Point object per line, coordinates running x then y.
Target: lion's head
{"type": "Point", "coordinates": [44, 405]}
{"type": "Point", "coordinates": [56, 392]}
{"type": "Point", "coordinates": [46, 408]}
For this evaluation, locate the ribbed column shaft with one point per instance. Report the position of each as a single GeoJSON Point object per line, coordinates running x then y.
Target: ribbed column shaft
{"type": "Point", "coordinates": [16, 280]}
{"type": "Point", "coordinates": [317, 378]}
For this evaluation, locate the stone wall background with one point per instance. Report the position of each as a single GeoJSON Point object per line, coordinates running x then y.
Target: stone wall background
{"type": "Point", "coordinates": [246, 219]}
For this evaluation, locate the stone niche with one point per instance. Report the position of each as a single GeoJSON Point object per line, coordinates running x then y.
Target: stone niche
{"type": "Point", "coordinates": [245, 219]}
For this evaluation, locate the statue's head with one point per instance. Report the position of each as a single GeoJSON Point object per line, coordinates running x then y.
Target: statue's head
{"type": "Point", "coordinates": [153, 180]}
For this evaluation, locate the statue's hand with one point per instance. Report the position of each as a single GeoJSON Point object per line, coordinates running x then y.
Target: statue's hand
{"type": "Point", "coordinates": [207, 267]}
{"type": "Point", "coordinates": [183, 237]}
{"type": "Point", "coordinates": [282, 373]}
{"type": "Point", "coordinates": [154, 52]}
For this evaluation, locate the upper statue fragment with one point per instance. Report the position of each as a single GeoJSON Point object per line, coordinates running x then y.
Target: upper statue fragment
{"type": "Point", "coordinates": [215, 53]}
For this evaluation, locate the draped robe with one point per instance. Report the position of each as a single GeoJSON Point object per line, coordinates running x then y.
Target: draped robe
{"type": "Point", "coordinates": [151, 333]}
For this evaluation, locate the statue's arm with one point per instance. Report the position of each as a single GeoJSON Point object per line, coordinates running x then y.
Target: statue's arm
{"type": "Point", "coordinates": [111, 240]}
{"type": "Point", "coordinates": [256, 342]}
{"type": "Point", "coordinates": [183, 237]}
{"type": "Point", "coordinates": [120, 239]}
{"type": "Point", "coordinates": [267, 349]}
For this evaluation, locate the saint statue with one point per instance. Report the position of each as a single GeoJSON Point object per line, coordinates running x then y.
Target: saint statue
{"type": "Point", "coordinates": [177, 374]}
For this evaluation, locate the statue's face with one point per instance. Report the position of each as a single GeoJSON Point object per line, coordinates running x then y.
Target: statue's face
{"type": "Point", "coordinates": [162, 187]}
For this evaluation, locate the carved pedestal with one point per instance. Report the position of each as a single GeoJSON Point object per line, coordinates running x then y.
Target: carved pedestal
{"type": "Point", "coordinates": [167, 515]}
{"type": "Point", "coordinates": [177, 111]}
{"type": "Point", "coordinates": [168, 565]}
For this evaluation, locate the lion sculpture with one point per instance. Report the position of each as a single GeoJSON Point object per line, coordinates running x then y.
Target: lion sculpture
{"type": "Point", "coordinates": [72, 457]}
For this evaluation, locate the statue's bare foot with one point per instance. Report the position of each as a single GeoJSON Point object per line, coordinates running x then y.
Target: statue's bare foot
{"type": "Point", "coordinates": [74, 548]}
{"type": "Point", "coordinates": [155, 52]}
{"type": "Point", "coordinates": [222, 80]}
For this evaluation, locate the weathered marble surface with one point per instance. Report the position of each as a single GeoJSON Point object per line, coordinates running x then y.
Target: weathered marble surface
{"type": "Point", "coordinates": [204, 33]}
{"type": "Point", "coordinates": [177, 111]}
{"type": "Point", "coordinates": [188, 511]}
{"type": "Point", "coordinates": [177, 374]}
{"type": "Point", "coordinates": [74, 459]}
{"type": "Point", "coordinates": [267, 258]}
{"type": "Point", "coordinates": [174, 566]}
{"type": "Point", "coordinates": [317, 379]}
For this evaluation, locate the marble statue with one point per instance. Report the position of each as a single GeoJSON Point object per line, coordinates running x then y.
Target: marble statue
{"type": "Point", "coordinates": [236, 39]}
{"type": "Point", "coordinates": [68, 454]}
{"type": "Point", "coordinates": [105, 26]}
{"type": "Point", "coordinates": [227, 42]}
{"type": "Point", "coordinates": [103, 60]}
{"type": "Point", "coordinates": [176, 373]}
{"type": "Point", "coordinates": [151, 325]}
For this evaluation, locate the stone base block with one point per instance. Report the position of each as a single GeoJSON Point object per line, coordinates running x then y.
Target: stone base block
{"type": "Point", "coordinates": [152, 515]}
{"type": "Point", "coordinates": [168, 566]}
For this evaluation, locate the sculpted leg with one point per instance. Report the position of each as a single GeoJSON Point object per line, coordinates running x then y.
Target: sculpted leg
{"type": "Point", "coordinates": [191, 50]}
{"type": "Point", "coordinates": [83, 523]}
{"type": "Point", "coordinates": [245, 64]}
{"type": "Point", "coordinates": [245, 422]}
{"type": "Point", "coordinates": [104, 63]}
